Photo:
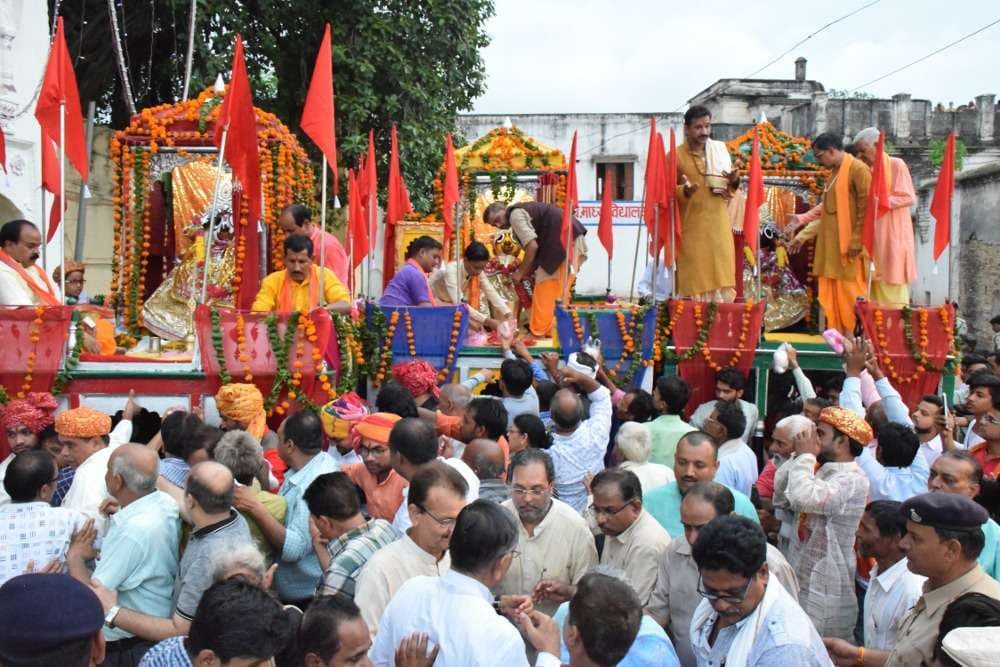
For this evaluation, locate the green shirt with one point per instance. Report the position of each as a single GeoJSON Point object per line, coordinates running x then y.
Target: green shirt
{"type": "Point", "coordinates": [664, 503]}
{"type": "Point", "coordinates": [666, 430]}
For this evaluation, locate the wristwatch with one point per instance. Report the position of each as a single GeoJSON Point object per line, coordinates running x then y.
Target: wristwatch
{"type": "Point", "coordinates": [109, 618]}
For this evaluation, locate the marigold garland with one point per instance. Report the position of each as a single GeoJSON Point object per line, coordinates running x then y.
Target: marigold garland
{"type": "Point", "coordinates": [241, 347]}
{"type": "Point", "coordinates": [220, 355]}
{"type": "Point", "coordinates": [734, 360]}
{"type": "Point", "coordinates": [411, 341]}
{"type": "Point", "coordinates": [385, 357]}
{"type": "Point", "coordinates": [34, 335]}
{"type": "Point", "coordinates": [917, 348]}
{"type": "Point", "coordinates": [456, 326]}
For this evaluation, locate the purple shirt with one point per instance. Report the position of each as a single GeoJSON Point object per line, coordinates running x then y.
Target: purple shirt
{"type": "Point", "coordinates": [407, 288]}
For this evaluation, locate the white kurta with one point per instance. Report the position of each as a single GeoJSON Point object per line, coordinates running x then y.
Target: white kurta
{"type": "Point", "coordinates": [15, 292]}
{"type": "Point", "coordinates": [88, 489]}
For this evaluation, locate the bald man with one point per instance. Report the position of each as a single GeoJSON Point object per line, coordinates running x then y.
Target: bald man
{"type": "Point", "coordinates": [454, 399]}
{"type": "Point", "coordinates": [486, 458]}
{"type": "Point", "coordinates": [218, 528]}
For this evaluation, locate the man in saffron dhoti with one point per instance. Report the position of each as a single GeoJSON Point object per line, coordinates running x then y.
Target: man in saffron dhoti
{"type": "Point", "coordinates": [839, 262]}
{"type": "Point", "coordinates": [706, 257]}
{"type": "Point", "coordinates": [22, 281]}
{"type": "Point", "coordinates": [297, 286]}
{"type": "Point", "coordinates": [895, 260]}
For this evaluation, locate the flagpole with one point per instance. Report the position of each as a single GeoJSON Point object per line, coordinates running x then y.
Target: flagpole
{"type": "Point", "coordinates": [656, 248]}
{"type": "Point", "coordinates": [871, 260]}
{"type": "Point", "coordinates": [673, 248]}
{"type": "Point", "coordinates": [373, 226]}
{"type": "Point", "coordinates": [211, 214]}
{"type": "Point", "coordinates": [322, 237]}
{"type": "Point", "coordinates": [951, 206]}
{"type": "Point", "coordinates": [458, 255]}
{"type": "Point", "coordinates": [638, 242]}
{"type": "Point", "coordinates": [62, 198]}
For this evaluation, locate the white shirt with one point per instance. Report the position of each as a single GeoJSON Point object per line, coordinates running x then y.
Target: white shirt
{"type": "Point", "coordinates": [456, 612]}
{"type": "Point", "coordinates": [343, 459]}
{"type": "Point", "coordinates": [401, 522]}
{"type": "Point", "coordinates": [890, 596]}
{"type": "Point", "coordinates": [4, 498]}
{"type": "Point", "coordinates": [704, 411]}
{"type": "Point", "coordinates": [582, 452]}
{"type": "Point", "coordinates": [34, 531]}
{"type": "Point", "coordinates": [645, 286]}
{"type": "Point", "coordinates": [931, 450]}
{"type": "Point", "coordinates": [88, 489]}
{"type": "Point", "coordinates": [892, 483]}
{"type": "Point", "coordinates": [14, 291]}
{"type": "Point", "coordinates": [971, 438]}
{"type": "Point", "coordinates": [651, 475]}
{"type": "Point", "coordinates": [737, 466]}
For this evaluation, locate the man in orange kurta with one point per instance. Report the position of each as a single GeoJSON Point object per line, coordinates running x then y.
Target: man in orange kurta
{"type": "Point", "coordinates": [895, 260]}
{"type": "Point", "coordinates": [706, 254]}
{"type": "Point", "coordinates": [839, 261]}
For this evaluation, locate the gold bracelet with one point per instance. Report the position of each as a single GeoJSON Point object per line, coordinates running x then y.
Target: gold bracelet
{"type": "Point", "coordinates": [861, 656]}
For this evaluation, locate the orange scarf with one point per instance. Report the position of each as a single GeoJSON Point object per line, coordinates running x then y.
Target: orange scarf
{"type": "Point", "coordinates": [842, 196]}
{"type": "Point", "coordinates": [430, 292]}
{"type": "Point", "coordinates": [474, 293]}
{"type": "Point", "coordinates": [45, 297]}
{"type": "Point", "coordinates": [285, 302]}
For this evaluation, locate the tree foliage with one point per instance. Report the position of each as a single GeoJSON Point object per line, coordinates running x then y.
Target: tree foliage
{"type": "Point", "coordinates": [415, 64]}
{"type": "Point", "coordinates": [936, 152]}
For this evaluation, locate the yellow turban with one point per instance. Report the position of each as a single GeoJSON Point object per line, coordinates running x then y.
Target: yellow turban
{"type": "Point", "coordinates": [71, 267]}
{"type": "Point", "coordinates": [83, 423]}
{"type": "Point", "coordinates": [376, 427]}
{"type": "Point", "coordinates": [243, 403]}
{"type": "Point", "coordinates": [849, 423]}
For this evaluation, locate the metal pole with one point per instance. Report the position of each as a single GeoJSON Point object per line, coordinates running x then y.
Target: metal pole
{"type": "Point", "coordinates": [322, 237]}
{"type": "Point", "coordinates": [638, 242]}
{"type": "Point", "coordinates": [673, 250]}
{"type": "Point", "coordinates": [373, 226]}
{"type": "Point", "coordinates": [211, 214]}
{"type": "Point", "coordinates": [62, 200]}
{"type": "Point", "coordinates": [871, 260]}
{"type": "Point", "coordinates": [458, 255]}
{"type": "Point", "coordinates": [656, 248]}
{"type": "Point", "coordinates": [81, 213]}
{"type": "Point", "coordinates": [190, 49]}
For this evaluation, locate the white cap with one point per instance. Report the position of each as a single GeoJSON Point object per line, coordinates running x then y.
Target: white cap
{"type": "Point", "coordinates": [973, 647]}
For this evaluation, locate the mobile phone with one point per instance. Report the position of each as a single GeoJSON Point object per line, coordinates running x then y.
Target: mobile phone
{"type": "Point", "coordinates": [944, 403]}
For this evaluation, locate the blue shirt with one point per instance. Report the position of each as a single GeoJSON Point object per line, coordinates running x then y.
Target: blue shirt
{"type": "Point", "coordinates": [664, 503]}
{"type": "Point", "coordinates": [175, 471]}
{"type": "Point", "coordinates": [63, 482]}
{"type": "Point", "coordinates": [651, 647]}
{"type": "Point", "coordinates": [989, 559]}
{"type": "Point", "coordinates": [298, 569]}
{"type": "Point", "coordinates": [408, 287]}
{"type": "Point", "coordinates": [139, 557]}
{"type": "Point", "coordinates": [168, 653]}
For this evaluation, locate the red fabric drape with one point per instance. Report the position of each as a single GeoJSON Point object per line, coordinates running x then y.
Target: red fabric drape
{"type": "Point", "coordinates": [938, 344]}
{"type": "Point", "coordinates": [723, 339]}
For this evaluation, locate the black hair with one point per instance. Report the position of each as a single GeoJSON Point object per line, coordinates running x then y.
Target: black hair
{"type": "Point", "coordinates": [491, 415]}
{"type": "Point", "coordinates": [987, 380]}
{"type": "Point", "coordinates": [545, 389]}
{"type": "Point", "coordinates": [333, 495]}
{"type": "Point", "coordinates": [964, 455]}
{"type": "Point", "coordinates": [898, 445]}
{"type": "Point", "coordinates": [995, 319]}
{"type": "Point", "coordinates": [606, 612]}
{"type": "Point", "coordinates": [11, 231]}
{"type": "Point", "coordinates": [626, 481]}
{"type": "Point", "coordinates": [732, 377]}
{"type": "Point", "coordinates": [415, 440]}
{"type": "Point", "coordinates": [516, 376]}
{"type": "Point", "coordinates": [205, 437]}
{"type": "Point", "coordinates": [730, 415]}
{"type": "Point", "coordinates": [586, 360]}
{"type": "Point", "coordinates": [828, 140]}
{"type": "Point", "coordinates": [972, 541]}
{"type": "Point", "coordinates": [27, 473]}
{"type": "Point", "coordinates": [675, 392]}
{"type": "Point", "coordinates": [889, 519]}
{"type": "Point", "coordinates": [394, 398]}
{"type": "Point", "coordinates": [484, 532]}
{"type": "Point", "coordinates": [533, 427]}
{"type": "Point", "coordinates": [491, 210]}
{"type": "Point", "coordinates": [237, 619]}
{"type": "Point", "coordinates": [733, 543]}
{"type": "Point", "coordinates": [529, 456]}
{"type": "Point", "coordinates": [933, 399]}
{"type": "Point", "coordinates": [305, 430]}
{"type": "Point", "coordinates": [300, 214]}
{"type": "Point", "coordinates": [714, 493]}
{"type": "Point", "coordinates": [177, 430]}
{"type": "Point", "coordinates": [972, 610]}
{"type": "Point", "coordinates": [697, 438]}
{"type": "Point", "coordinates": [972, 359]}
{"type": "Point", "coordinates": [319, 632]}
{"type": "Point", "coordinates": [476, 252]}
{"type": "Point", "coordinates": [422, 243]}
{"type": "Point", "coordinates": [298, 243]}
{"type": "Point", "coordinates": [696, 112]}
{"type": "Point", "coordinates": [641, 408]}
{"type": "Point", "coordinates": [819, 402]}
{"type": "Point", "coordinates": [435, 474]}
{"type": "Point", "coordinates": [209, 500]}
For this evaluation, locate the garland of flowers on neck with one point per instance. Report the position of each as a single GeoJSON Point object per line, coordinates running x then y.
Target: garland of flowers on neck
{"type": "Point", "coordinates": [918, 350]}
{"type": "Point", "coordinates": [72, 360]}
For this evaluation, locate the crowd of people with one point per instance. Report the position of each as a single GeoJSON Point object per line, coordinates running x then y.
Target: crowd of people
{"type": "Point", "coordinates": [536, 516]}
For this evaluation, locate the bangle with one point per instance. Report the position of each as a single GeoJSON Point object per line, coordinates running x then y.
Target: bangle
{"type": "Point", "coordinates": [861, 656]}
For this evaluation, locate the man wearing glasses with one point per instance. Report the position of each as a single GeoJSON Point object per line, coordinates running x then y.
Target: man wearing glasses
{"type": "Point", "coordinates": [746, 617]}
{"type": "Point", "coordinates": [556, 546]}
{"type": "Point", "coordinates": [383, 486]}
{"type": "Point", "coordinates": [436, 496]}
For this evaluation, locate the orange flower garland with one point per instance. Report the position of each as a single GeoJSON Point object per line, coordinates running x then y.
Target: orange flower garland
{"type": "Point", "coordinates": [628, 341]}
{"type": "Point", "coordinates": [918, 347]}
{"type": "Point", "coordinates": [411, 341]}
{"type": "Point", "coordinates": [663, 334]}
{"type": "Point", "coordinates": [241, 348]}
{"type": "Point", "coordinates": [456, 326]}
{"type": "Point", "coordinates": [34, 336]}
{"type": "Point", "coordinates": [385, 357]}
{"type": "Point", "coordinates": [577, 327]}
{"type": "Point", "coordinates": [741, 342]}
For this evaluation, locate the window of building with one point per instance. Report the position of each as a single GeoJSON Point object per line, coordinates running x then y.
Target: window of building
{"type": "Point", "coordinates": [620, 175]}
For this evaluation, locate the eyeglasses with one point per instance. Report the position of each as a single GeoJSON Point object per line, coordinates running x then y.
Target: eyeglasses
{"type": "Point", "coordinates": [729, 599]}
{"type": "Point", "coordinates": [536, 492]}
{"type": "Point", "coordinates": [607, 511]}
{"type": "Point", "coordinates": [373, 451]}
{"type": "Point", "coordinates": [444, 523]}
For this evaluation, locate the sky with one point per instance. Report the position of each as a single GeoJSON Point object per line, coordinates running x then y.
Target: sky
{"type": "Point", "coordinates": [586, 56]}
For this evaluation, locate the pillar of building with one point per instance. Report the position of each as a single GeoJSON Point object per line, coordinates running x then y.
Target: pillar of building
{"type": "Point", "coordinates": [901, 107]}
{"type": "Point", "coordinates": [819, 100]}
{"type": "Point", "coordinates": [985, 115]}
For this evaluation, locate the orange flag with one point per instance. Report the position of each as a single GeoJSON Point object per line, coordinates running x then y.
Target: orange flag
{"type": "Point", "coordinates": [319, 113]}
{"type": "Point", "coordinates": [755, 195]}
{"type": "Point", "coordinates": [397, 205]}
{"type": "Point", "coordinates": [878, 196]}
{"type": "Point", "coordinates": [368, 180]}
{"type": "Point", "coordinates": [59, 96]}
{"type": "Point", "coordinates": [941, 201]}
{"type": "Point", "coordinates": [604, 229]}
{"type": "Point", "coordinates": [670, 197]}
{"type": "Point", "coordinates": [572, 200]}
{"type": "Point", "coordinates": [449, 195]}
{"type": "Point", "coordinates": [652, 196]}
{"type": "Point", "coordinates": [358, 230]}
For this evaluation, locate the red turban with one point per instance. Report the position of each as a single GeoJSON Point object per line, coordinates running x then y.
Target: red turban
{"type": "Point", "coordinates": [417, 377]}
{"type": "Point", "coordinates": [35, 412]}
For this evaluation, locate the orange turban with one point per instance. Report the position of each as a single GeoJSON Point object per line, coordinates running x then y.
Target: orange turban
{"type": "Point", "coordinates": [83, 423]}
{"type": "Point", "coordinates": [849, 423]}
{"type": "Point", "coordinates": [376, 427]}
{"type": "Point", "coordinates": [243, 403]}
{"type": "Point", "coordinates": [71, 267]}
{"type": "Point", "coordinates": [34, 412]}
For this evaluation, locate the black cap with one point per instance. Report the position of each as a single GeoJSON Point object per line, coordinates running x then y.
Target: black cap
{"type": "Point", "coordinates": [945, 510]}
{"type": "Point", "coordinates": [40, 612]}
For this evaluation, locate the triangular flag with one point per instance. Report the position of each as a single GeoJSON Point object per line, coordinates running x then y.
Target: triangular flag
{"type": "Point", "coordinates": [449, 193]}
{"type": "Point", "coordinates": [50, 182]}
{"type": "Point", "coordinates": [654, 179]}
{"type": "Point", "coordinates": [358, 230]}
{"type": "Point", "coordinates": [397, 203]}
{"type": "Point", "coordinates": [941, 201]}
{"type": "Point", "coordinates": [755, 195]}
{"type": "Point", "coordinates": [370, 195]}
{"type": "Point", "coordinates": [572, 201]}
{"type": "Point", "coordinates": [319, 113]}
{"type": "Point", "coordinates": [670, 197]}
{"type": "Point", "coordinates": [604, 226]}
{"type": "Point", "coordinates": [59, 95]}
{"type": "Point", "coordinates": [878, 196]}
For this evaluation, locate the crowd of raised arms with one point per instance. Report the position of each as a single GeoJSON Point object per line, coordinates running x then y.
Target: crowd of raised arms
{"type": "Point", "coordinates": [535, 516]}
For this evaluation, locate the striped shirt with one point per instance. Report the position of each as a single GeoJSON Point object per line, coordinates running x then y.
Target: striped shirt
{"type": "Point", "coordinates": [349, 553]}
{"type": "Point", "coordinates": [63, 482]}
{"type": "Point", "coordinates": [168, 653]}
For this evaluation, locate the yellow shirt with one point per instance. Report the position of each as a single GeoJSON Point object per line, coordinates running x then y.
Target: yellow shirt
{"type": "Point", "coordinates": [270, 292]}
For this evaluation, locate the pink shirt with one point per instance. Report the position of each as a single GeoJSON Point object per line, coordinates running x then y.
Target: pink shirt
{"type": "Point", "coordinates": [333, 254]}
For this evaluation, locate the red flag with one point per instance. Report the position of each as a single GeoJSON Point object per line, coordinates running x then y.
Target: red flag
{"type": "Point", "coordinates": [396, 206]}
{"type": "Point", "coordinates": [358, 230]}
{"type": "Point", "coordinates": [59, 95]}
{"type": "Point", "coordinates": [369, 193]}
{"type": "Point", "coordinates": [670, 197]}
{"type": "Point", "coordinates": [878, 196]}
{"type": "Point", "coordinates": [941, 201]}
{"type": "Point", "coordinates": [238, 121]}
{"type": "Point", "coordinates": [318, 115]}
{"type": "Point", "coordinates": [654, 178]}
{"type": "Point", "coordinates": [755, 195]}
{"type": "Point", "coordinates": [50, 182]}
{"type": "Point", "coordinates": [449, 194]}
{"type": "Point", "coordinates": [604, 231]}
{"type": "Point", "coordinates": [572, 200]}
